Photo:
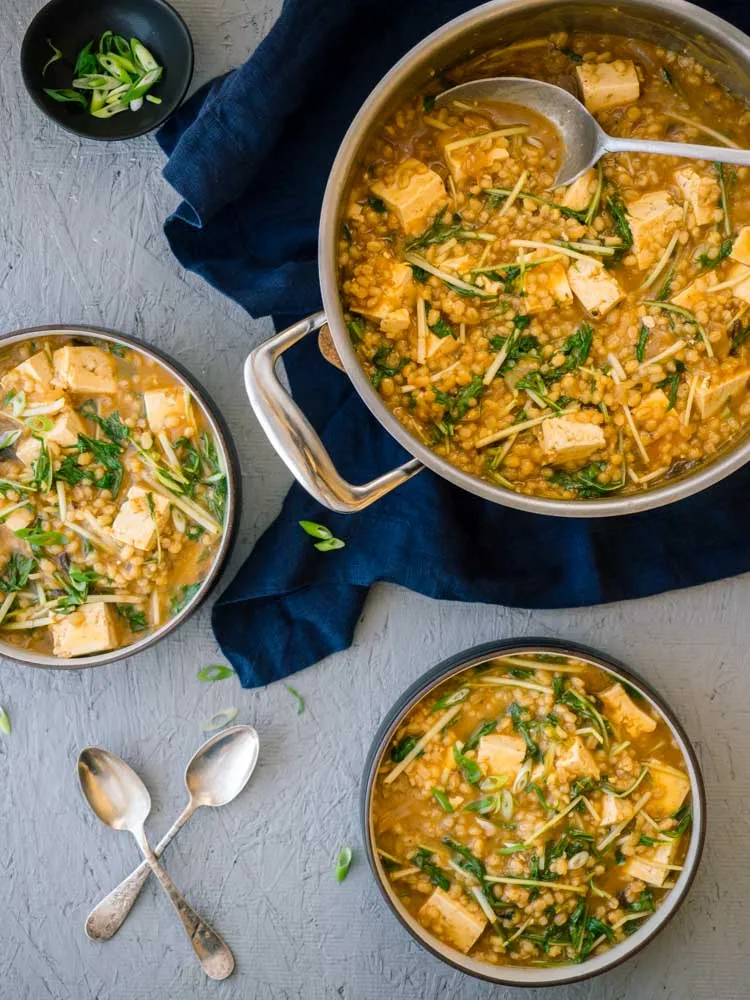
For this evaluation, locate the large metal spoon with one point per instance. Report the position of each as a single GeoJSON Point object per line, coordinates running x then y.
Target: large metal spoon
{"type": "Point", "coordinates": [216, 773]}
{"type": "Point", "coordinates": [120, 800]}
{"type": "Point", "coordinates": [584, 141]}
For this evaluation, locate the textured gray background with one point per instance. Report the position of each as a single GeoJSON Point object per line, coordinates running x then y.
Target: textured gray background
{"type": "Point", "coordinates": [81, 241]}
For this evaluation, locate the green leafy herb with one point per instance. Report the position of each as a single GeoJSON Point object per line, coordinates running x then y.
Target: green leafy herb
{"type": "Point", "coordinates": [671, 383]}
{"type": "Point", "coordinates": [644, 903]}
{"type": "Point", "coordinates": [582, 786]}
{"type": "Point", "coordinates": [468, 768]}
{"type": "Point", "coordinates": [437, 232]}
{"type": "Point", "coordinates": [184, 595]}
{"type": "Point", "coordinates": [419, 274]}
{"type": "Point", "coordinates": [457, 404]}
{"type": "Point", "coordinates": [34, 536]}
{"type": "Point", "coordinates": [189, 458]}
{"type": "Point", "coordinates": [428, 103]}
{"type": "Point", "coordinates": [381, 366]}
{"type": "Point", "coordinates": [346, 232]}
{"type": "Point", "coordinates": [666, 289]}
{"type": "Point", "coordinates": [719, 168]}
{"type": "Point", "coordinates": [482, 730]}
{"type": "Point", "coordinates": [442, 800]}
{"type": "Point", "coordinates": [519, 717]}
{"type": "Point", "coordinates": [135, 618]}
{"type": "Point", "coordinates": [298, 696]}
{"type": "Point", "coordinates": [423, 860]}
{"type": "Point", "coordinates": [104, 453]}
{"type": "Point", "coordinates": [640, 350]}
{"type": "Point", "coordinates": [496, 195]}
{"type": "Point", "coordinates": [570, 54]}
{"type": "Point", "coordinates": [585, 482]}
{"type": "Point", "coordinates": [343, 863]}
{"type": "Point", "coordinates": [667, 76]}
{"type": "Point", "coordinates": [454, 698]}
{"type": "Point", "coordinates": [725, 249]}
{"type": "Point", "coordinates": [4, 721]}
{"type": "Point", "coordinates": [594, 929]}
{"type": "Point", "coordinates": [16, 573]}
{"type": "Point", "coordinates": [112, 426]}
{"type": "Point", "coordinates": [403, 748]}
{"type": "Point", "coordinates": [466, 859]}
{"type": "Point", "coordinates": [442, 329]}
{"type": "Point", "coordinates": [738, 334]}
{"type": "Point", "coordinates": [485, 805]}
{"type": "Point", "coordinates": [43, 469]}
{"type": "Point", "coordinates": [356, 328]}
{"type": "Point", "coordinates": [377, 204]}
{"type": "Point", "coordinates": [537, 790]}
{"type": "Point", "coordinates": [520, 347]}
{"type": "Point", "coordinates": [684, 817]}
{"type": "Point", "coordinates": [619, 215]}
{"type": "Point", "coordinates": [586, 709]}
{"type": "Point", "coordinates": [215, 672]}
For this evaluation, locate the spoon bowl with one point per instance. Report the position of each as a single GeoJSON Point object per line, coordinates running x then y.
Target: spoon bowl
{"type": "Point", "coordinates": [584, 142]}
{"type": "Point", "coordinates": [113, 790]}
{"type": "Point", "coordinates": [220, 769]}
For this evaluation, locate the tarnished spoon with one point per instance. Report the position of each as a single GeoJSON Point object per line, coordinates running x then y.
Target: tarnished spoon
{"type": "Point", "coordinates": [120, 800]}
{"type": "Point", "coordinates": [216, 773]}
{"type": "Point", "coordinates": [584, 141]}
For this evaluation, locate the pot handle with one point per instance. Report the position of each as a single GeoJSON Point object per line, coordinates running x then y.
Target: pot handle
{"type": "Point", "coordinates": [293, 437]}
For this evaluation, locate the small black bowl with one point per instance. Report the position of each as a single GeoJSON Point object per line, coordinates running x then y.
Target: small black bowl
{"type": "Point", "coordinates": [70, 24]}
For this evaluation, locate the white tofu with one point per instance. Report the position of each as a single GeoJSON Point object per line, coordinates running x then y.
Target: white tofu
{"type": "Point", "coordinates": [547, 288]}
{"type": "Point", "coordinates": [594, 287]}
{"type": "Point", "coordinates": [474, 160]}
{"type": "Point", "coordinates": [396, 322]}
{"type": "Point", "coordinates": [19, 519]}
{"type": "Point", "coordinates": [90, 629]}
{"type": "Point", "coordinates": [66, 429]}
{"type": "Point", "coordinates": [437, 344]}
{"type": "Point", "coordinates": [452, 921]}
{"type": "Point", "coordinates": [415, 194]}
{"type": "Point", "coordinates": [650, 864]}
{"type": "Point", "coordinates": [500, 754]}
{"type": "Point", "coordinates": [575, 761]}
{"type": "Point", "coordinates": [624, 712]}
{"type": "Point", "coordinates": [85, 369]}
{"type": "Point", "coordinates": [135, 525]}
{"type": "Point", "coordinates": [395, 290]}
{"type": "Point", "coordinates": [615, 810]}
{"type": "Point", "coordinates": [27, 451]}
{"type": "Point", "coordinates": [566, 440]}
{"type": "Point", "coordinates": [741, 290]}
{"type": "Point", "coordinates": [653, 219]}
{"type": "Point", "coordinates": [669, 788]}
{"type": "Point", "coordinates": [578, 195]}
{"type": "Point", "coordinates": [37, 367]}
{"type": "Point", "coordinates": [701, 192]}
{"type": "Point", "coordinates": [741, 247]}
{"type": "Point", "coordinates": [710, 397]}
{"type": "Point", "coordinates": [608, 85]}
{"type": "Point", "coordinates": [161, 404]}
{"type": "Point", "coordinates": [694, 294]}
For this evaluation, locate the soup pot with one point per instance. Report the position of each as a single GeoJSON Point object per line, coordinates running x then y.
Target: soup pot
{"type": "Point", "coordinates": [672, 23]}
{"type": "Point", "coordinates": [531, 975]}
{"type": "Point", "coordinates": [229, 461]}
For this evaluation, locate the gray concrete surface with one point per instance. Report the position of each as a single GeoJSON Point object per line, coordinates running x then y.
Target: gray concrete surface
{"type": "Point", "coordinates": [81, 241]}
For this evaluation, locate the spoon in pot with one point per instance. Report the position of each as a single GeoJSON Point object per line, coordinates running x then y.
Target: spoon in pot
{"type": "Point", "coordinates": [584, 141]}
{"type": "Point", "coordinates": [119, 798]}
{"type": "Point", "coordinates": [215, 775]}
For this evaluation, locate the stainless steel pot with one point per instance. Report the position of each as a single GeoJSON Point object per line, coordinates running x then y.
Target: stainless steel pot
{"type": "Point", "coordinates": [229, 460]}
{"type": "Point", "coordinates": [672, 23]}
{"type": "Point", "coordinates": [518, 975]}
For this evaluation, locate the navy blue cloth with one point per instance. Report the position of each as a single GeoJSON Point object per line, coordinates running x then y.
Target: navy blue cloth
{"type": "Point", "coordinates": [250, 154]}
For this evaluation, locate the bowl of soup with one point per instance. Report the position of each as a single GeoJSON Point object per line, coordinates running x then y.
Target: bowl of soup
{"type": "Point", "coordinates": [579, 351]}
{"type": "Point", "coordinates": [119, 496]}
{"type": "Point", "coordinates": [533, 812]}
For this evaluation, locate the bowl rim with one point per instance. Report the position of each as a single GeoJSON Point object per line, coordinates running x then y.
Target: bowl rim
{"type": "Point", "coordinates": [527, 976]}
{"type": "Point", "coordinates": [728, 460]}
{"type": "Point", "coordinates": [32, 90]}
{"type": "Point", "coordinates": [230, 458]}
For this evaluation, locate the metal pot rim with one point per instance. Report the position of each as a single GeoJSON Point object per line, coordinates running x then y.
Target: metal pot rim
{"type": "Point", "coordinates": [699, 21]}
{"type": "Point", "coordinates": [222, 435]}
{"type": "Point", "coordinates": [527, 976]}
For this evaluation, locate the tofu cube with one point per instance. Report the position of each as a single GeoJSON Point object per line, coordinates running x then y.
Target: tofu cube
{"type": "Point", "coordinates": [578, 195]}
{"type": "Point", "coordinates": [415, 193]}
{"type": "Point", "coordinates": [500, 754]}
{"type": "Point", "coordinates": [608, 85]}
{"type": "Point", "coordinates": [37, 367]}
{"type": "Point", "coordinates": [650, 864]}
{"type": "Point", "coordinates": [452, 921]}
{"type": "Point", "coordinates": [547, 288]}
{"type": "Point", "coordinates": [594, 287]}
{"type": "Point", "coordinates": [393, 292]}
{"type": "Point", "coordinates": [566, 440]}
{"type": "Point", "coordinates": [161, 405]}
{"type": "Point", "coordinates": [615, 810]}
{"type": "Point", "coordinates": [741, 247]}
{"type": "Point", "coordinates": [90, 629]}
{"type": "Point", "coordinates": [474, 159]}
{"type": "Point", "coordinates": [702, 193]}
{"type": "Point", "coordinates": [711, 397]}
{"type": "Point", "coordinates": [396, 322]}
{"type": "Point", "coordinates": [653, 219]}
{"type": "Point", "coordinates": [669, 789]}
{"type": "Point", "coordinates": [624, 712]}
{"type": "Point", "coordinates": [135, 524]}
{"type": "Point", "coordinates": [576, 761]}
{"type": "Point", "coordinates": [19, 519]}
{"type": "Point", "coordinates": [742, 289]}
{"type": "Point", "coordinates": [27, 451]}
{"type": "Point", "coordinates": [85, 369]}
{"type": "Point", "coordinates": [66, 429]}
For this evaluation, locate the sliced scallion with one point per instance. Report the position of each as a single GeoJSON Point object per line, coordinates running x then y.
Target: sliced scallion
{"type": "Point", "coordinates": [343, 863]}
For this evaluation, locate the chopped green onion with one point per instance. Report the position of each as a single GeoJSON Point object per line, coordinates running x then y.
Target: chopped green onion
{"type": "Point", "coordinates": [442, 800]}
{"type": "Point", "coordinates": [298, 696]}
{"type": "Point", "coordinates": [343, 863]}
{"type": "Point", "coordinates": [4, 721]}
{"type": "Point", "coordinates": [220, 719]}
{"type": "Point", "coordinates": [55, 57]}
{"type": "Point", "coordinates": [216, 672]}
{"type": "Point", "coordinates": [65, 96]}
{"type": "Point", "coordinates": [316, 530]}
{"type": "Point", "coordinates": [9, 438]}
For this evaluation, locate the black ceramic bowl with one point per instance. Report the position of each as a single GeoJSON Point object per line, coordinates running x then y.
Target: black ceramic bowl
{"type": "Point", "coordinates": [70, 24]}
{"type": "Point", "coordinates": [554, 975]}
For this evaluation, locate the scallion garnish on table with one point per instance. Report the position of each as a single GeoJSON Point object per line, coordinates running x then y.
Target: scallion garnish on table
{"type": "Point", "coordinates": [115, 77]}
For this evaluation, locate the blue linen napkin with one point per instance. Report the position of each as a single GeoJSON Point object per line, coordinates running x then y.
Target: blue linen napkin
{"type": "Point", "coordinates": [250, 154]}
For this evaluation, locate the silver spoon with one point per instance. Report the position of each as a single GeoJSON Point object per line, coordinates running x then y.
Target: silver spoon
{"type": "Point", "coordinates": [584, 141]}
{"type": "Point", "coordinates": [121, 801]}
{"type": "Point", "coordinates": [215, 775]}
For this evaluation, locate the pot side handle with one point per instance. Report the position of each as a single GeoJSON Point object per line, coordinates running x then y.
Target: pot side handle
{"type": "Point", "coordinates": [293, 437]}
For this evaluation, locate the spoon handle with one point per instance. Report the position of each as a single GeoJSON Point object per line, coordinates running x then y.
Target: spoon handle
{"type": "Point", "coordinates": [692, 151]}
{"type": "Point", "coordinates": [216, 960]}
{"type": "Point", "coordinates": [110, 913]}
